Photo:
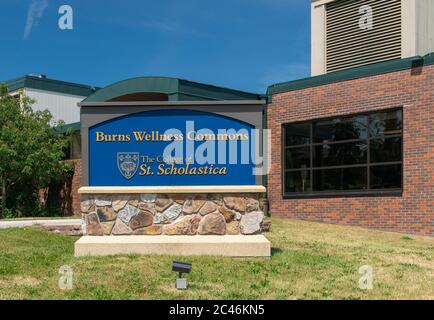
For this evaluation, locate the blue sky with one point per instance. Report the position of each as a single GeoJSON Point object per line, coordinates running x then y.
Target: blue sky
{"type": "Point", "coordinates": [241, 44]}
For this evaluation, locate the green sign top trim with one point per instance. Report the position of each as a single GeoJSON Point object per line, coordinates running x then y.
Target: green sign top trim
{"type": "Point", "coordinates": [176, 89]}
{"type": "Point", "coordinates": [351, 74]}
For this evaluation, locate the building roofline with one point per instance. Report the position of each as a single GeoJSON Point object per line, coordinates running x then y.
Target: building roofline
{"type": "Point", "coordinates": [176, 90]}
{"type": "Point", "coordinates": [41, 83]}
{"type": "Point", "coordinates": [351, 74]}
{"type": "Point", "coordinates": [68, 128]}
{"type": "Point", "coordinates": [173, 103]}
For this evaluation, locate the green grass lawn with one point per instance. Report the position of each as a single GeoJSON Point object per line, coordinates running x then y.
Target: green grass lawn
{"type": "Point", "coordinates": [310, 261]}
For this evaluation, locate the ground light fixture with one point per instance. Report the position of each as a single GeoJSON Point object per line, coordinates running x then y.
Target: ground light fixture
{"type": "Point", "coordinates": [181, 267]}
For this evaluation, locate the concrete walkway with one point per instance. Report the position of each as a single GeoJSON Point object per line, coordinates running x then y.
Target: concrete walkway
{"type": "Point", "coordinates": [28, 223]}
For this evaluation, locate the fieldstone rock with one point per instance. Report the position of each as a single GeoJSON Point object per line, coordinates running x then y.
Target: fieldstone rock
{"type": "Point", "coordinates": [87, 205]}
{"type": "Point", "coordinates": [159, 218]}
{"type": "Point", "coordinates": [266, 226]}
{"type": "Point", "coordinates": [216, 198]}
{"type": "Point", "coordinates": [207, 208]}
{"type": "Point", "coordinates": [238, 216]}
{"type": "Point", "coordinates": [227, 213]}
{"type": "Point", "coordinates": [180, 198]}
{"type": "Point", "coordinates": [233, 228]}
{"type": "Point", "coordinates": [252, 204]}
{"type": "Point", "coordinates": [148, 206]}
{"type": "Point", "coordinates": [133, 203]}
{"type": "Point", "coordinates": [106, 214]}
{"type": "Point", "coordinates": [120, 203]}
{"type": "Point", "coordinates": [173, 212]}
{"type": "Point", "coordinates": [103, 201]}
{"type": "Point", "coordinates": [107, 227]}
{"type": "Point", "coordinates": [213, 223]}
{"type": "Point", "coordinates": [141, 220]}
{"type": "Point", "coordinates": [162, 202]}
{"type": "Point", "coordinates": [251, 222]}
{"type": "Point", "coordinates": [186, 225]}
{"type": "Point", "coordinates": [235, 203]}
{"type": "Point", "coordinates": [263, 205]}
{"type": "Point", "coordinates": [121, 229]}
{"type": "Point", "coordinates": [91, 209]}
{"type": "Point", "coordinates": [192, 206]}
{"type": "Point", "coordinates": [148, 197]}
{"type": "Point", "coordinates": [149, 231]}
{"type": "Point", "coordinates": [84, 223]}
{"type": "Point", "coordinates": [92, 225]}
{"type": "Point", "coordinates": [127, 213]}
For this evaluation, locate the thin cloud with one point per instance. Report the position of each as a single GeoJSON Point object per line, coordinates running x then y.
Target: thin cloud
{"type": "Point", "coordinates": [34, 14]}
{"type": "Point", "coordinates": [169, 27]}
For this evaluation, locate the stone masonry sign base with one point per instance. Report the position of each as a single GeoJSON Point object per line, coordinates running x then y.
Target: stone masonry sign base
{"type": "Point", "coordinates": [220, 221]}
{"type": "Point", "coordinates": [228, 245]}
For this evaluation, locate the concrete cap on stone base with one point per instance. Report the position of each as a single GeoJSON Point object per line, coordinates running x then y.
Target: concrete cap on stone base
{"type": "Point", "coordinates": [173, 189]}
{"type": "Point", "coordinates": [228, 245]}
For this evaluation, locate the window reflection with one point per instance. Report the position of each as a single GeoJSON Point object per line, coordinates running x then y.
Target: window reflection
{"type": "Point", "coordinates": [361, 152]}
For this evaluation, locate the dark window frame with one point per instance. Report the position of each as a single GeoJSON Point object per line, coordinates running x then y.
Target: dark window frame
{"type": "Point", "coordinates": [368, 192]}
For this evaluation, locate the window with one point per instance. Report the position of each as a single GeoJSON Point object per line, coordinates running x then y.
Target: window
{"type": "Point", "coordinates": [354, 154]}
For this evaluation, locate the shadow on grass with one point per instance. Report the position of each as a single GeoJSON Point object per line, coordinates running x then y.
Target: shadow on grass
{"type": "Point", "coordinates": [275, 251]}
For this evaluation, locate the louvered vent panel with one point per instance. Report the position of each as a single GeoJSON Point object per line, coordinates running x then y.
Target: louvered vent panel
{"type": "Point", "coordinates": [348, 46]}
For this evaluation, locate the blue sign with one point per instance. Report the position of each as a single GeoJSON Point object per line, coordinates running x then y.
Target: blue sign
{"type": "Point", "coordinates": [171, 148]}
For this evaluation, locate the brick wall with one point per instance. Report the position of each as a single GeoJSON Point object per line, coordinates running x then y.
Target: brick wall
{"type": "Point", "coordinates": [76, 184]}
{"type": "Point", "coordinates": [64, 197]}
{"type": "Point", "coordinates": [413, 212]}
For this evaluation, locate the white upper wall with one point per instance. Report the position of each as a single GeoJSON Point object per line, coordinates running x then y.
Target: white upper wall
{"type": "Point", "coordinates": [318, 37]}
{"type": "Point", "coordinates": [62, 106]}
{"type": "Point", "coordinates": [425, 27]}
{"type": "Point", "coordinates": [417, 35]}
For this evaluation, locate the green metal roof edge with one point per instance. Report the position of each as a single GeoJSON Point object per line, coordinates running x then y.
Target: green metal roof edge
{"type": "Point", "coordinates": [134, 85]}
{"type": "Point", "coordinates": [15, 84]}
{"type": "Point", "coordinates": [351, 74]}
{"type": "Point", "coordinates": [71, 127]}
{"type": "Point", "coordinates": [177, 88]}
{"type": "Point", "coordinates": [213, 92]}
{"type": "Point", "coordinates": [52, 85]}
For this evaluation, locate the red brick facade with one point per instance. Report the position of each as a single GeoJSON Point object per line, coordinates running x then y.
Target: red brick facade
{"type": "Point", "coordinates": [65, 197]}
{"type": "Point", "coordinates": [76, 184]}
{"type": "Point", "coordinates": [413, 90]}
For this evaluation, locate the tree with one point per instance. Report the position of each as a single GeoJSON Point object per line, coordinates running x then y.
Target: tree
{"type": "Point", "coordinates": [30, 150]}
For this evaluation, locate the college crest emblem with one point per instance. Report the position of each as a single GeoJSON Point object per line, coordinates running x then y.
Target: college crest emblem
{"type": "Point", "coordinates": [128, 163]}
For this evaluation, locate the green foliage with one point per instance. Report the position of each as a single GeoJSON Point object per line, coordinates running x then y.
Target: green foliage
{"type": "Point", "coordinates": [407, 238]}
{"type": "Point", "coordinates": [30, 153]}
